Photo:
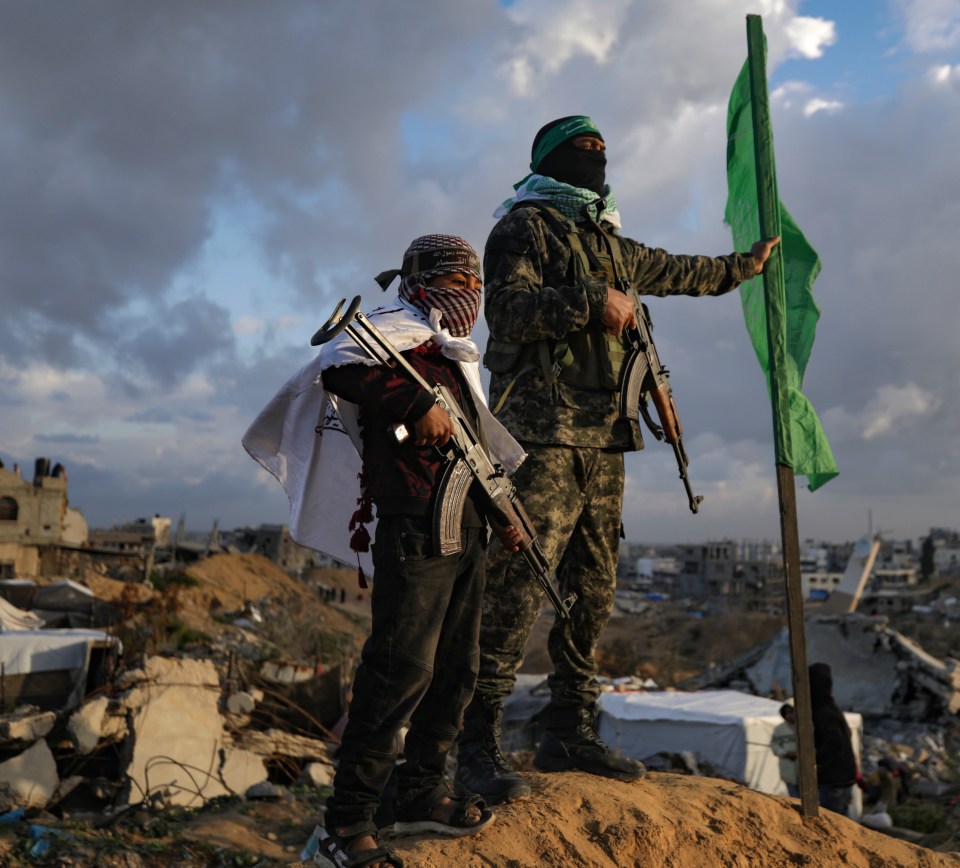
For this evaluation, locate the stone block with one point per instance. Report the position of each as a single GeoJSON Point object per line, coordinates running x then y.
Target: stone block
{"type": "Point", "coordinates": [316, 775]}
{"type": "Point", "coordinates": [26, 725]}
{"type": "Point", "coordinates": [92, 723]}
{"type": "Point", "coordinates": [29, 779]}
{"type": "Point", "coordinates": [177, 749]}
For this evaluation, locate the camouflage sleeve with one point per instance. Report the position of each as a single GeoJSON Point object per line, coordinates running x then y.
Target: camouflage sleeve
{"type": "Point", "coordinates": [526, 297]}
{"type": "Point", "coordinates": [656, 272]}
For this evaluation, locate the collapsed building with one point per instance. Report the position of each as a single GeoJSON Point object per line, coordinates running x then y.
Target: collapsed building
{"type": "Point", "coordinates": [876, 670]}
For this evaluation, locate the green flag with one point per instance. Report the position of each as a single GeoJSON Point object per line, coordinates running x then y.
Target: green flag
{"type": "Point", "coordinates": [799, 439]}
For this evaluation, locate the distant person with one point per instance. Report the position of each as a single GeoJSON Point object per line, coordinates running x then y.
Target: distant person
{"type": "Point", "coordinates": [419, 664]}
{"type": "Point", "coordinates": [836, 761]}
{"type": "Point", "coordinates": [783, 743]}
{"type": "Point", "coordinates": [889, 783]}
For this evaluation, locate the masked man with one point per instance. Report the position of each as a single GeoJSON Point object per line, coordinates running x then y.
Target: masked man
{"type": "Point", "coordinates": [554, 265]}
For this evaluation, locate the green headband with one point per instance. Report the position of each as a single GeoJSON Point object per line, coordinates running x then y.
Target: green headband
{"type": "Point", "coordinates": [580, 125]}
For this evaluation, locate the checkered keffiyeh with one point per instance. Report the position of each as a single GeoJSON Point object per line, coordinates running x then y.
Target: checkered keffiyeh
{"type": "Point", "coordinates": [568, 200]}
{"type": "Point", "coordinates": [442, 254]}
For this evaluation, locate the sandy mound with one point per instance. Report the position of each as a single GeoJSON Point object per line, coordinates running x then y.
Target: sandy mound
{"type": "Point", "coordinates": [665, 820]}
{"type": "Point", "coordinates": [226, 582]}
{"type": "Point", "coordinates": [113, 590]}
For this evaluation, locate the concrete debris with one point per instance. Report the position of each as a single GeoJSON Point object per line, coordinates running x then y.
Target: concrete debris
{"type": "Point", "coordinates": [287, 672]}
{"type": "Point", "coordinates": [316, 775]}
{"type": "Point", "coordinates": [277, 742]}
{"type": "Point", "coordinates": [177, 750]}
{"type": "Point", "coordinates": [877, 671]}
{"type": "Point", "coordinates": [266, 791]}
{"type": "Point", "coordinates": [25, 725]}
{"type": "Point", "coordinates": [29, 779]}
{"type": "Point", "coordinates": [241, 703]}
{"type": "Point", "coordinates": [922, 754]}
{"type": "Point", "coordinates": [91, 724]}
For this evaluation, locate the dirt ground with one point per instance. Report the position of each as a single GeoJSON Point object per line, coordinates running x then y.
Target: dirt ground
{"type": "Point", "coordinates": [572, 820]}
{"type": "Point", "coordinates": [575, 819]}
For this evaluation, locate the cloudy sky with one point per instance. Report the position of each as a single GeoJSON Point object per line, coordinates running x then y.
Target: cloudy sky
{"type": "Point", "coordinates": [187, 188]}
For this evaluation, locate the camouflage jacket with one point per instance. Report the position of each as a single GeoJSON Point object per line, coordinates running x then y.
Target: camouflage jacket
{"type": "Point", "coordinates": [530, 296]}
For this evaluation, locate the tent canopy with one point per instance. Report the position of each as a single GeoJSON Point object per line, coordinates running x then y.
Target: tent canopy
{"type": "Point", "coordinates": [728, 729]}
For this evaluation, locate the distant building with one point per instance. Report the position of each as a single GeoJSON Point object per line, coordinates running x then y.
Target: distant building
{"type": "Point", "coordinates": [128, 551]}
{"type": "Point", "coordinates": [819, 586]}
{"type": "Point", "coordinates": [946, 551]}
{"type": "Point", "coordinates": [37, 524]}
{"type": "Point", "coordinates": [946, 560]}
{"type": "Point", "coordinates": [273, 541]}
{"type": "Point", "coordinates": [724, 575]}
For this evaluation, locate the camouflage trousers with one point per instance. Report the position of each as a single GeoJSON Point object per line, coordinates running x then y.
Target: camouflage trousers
{"type": "Point", "coordinates": [573, 496]}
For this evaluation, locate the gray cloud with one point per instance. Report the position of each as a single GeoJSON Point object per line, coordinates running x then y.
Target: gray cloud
{"type": "Point", "coordinates": [129, 131]}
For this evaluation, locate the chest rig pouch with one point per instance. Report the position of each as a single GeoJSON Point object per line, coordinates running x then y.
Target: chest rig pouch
{"type": "Point", "coordinates": [588, 358]}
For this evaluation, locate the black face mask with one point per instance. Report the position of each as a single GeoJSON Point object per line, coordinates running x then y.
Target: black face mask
{"type": "Point", "coordinates": [575, 166]}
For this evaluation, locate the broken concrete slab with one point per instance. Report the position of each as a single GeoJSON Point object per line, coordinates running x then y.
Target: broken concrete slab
{"type": "Point", "coordinates": [276, 742]}
{"type": "Point", "coordinates": [29, 779]}
{"type": "Point", "coordinates": [316, 775]}
{"type": "Point", "coordinates": [92, 724]}
{"type": "Point", "coordinates": [177, 747]}
{"type": "Point", "coordinates": [877, 671]}
{"type": "Point", "coordinates": [26, 725]}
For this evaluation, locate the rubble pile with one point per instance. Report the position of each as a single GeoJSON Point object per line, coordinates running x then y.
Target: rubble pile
{"type": "Point", "coordinates": [235, 690]}
{"type": "Point", "coordinates": [924, 754]}
{"type": "Point", "coordinates": [174, 741]}
{"type": "Point", "coordinates": [233, 687]}
{"type": "Point", "coordinates": [877, 671]}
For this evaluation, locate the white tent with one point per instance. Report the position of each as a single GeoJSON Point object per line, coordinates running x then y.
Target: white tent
{"type": "Point", "coordinates": [12, 618]}
{"type": "Point", "coordinates": [728, 729]}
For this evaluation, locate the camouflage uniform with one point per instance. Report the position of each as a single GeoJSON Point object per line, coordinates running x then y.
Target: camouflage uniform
{"type": "Point", "coordinates": [572, 481]}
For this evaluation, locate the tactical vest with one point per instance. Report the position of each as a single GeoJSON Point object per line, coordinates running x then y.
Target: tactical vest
{"type": "Point", "coordinates": [588, 358]}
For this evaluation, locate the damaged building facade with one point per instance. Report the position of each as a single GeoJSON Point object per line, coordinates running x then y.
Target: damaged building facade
{"type": "Point", "coordinates": [36, 521]}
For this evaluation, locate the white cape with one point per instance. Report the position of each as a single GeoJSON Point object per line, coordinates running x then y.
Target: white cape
{"type": "Point", "coordinates": [310, 441]}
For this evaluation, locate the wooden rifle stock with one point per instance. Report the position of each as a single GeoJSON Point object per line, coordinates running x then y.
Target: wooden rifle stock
{"type": "Point", "coordinates": [644, 376]}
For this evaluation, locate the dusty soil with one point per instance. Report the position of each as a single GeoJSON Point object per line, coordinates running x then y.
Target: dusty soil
{"type": "Point", "coordinates": [227, 582]}
{"type": "Point", "coordinates": [665, 820]}
{"type": "Point", "coordinates": [570, 820]}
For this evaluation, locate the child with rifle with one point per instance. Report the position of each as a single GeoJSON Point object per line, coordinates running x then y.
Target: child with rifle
{"type": "Point", "coordinates": [419, 664]}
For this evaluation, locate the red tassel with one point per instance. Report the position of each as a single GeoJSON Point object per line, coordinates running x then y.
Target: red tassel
{"type": "Point", "coordinates": [365, 513]}
{"type": "Point", "coordinates": [360, 541]}
{"type": "Point", "coordinates": [360, 538]}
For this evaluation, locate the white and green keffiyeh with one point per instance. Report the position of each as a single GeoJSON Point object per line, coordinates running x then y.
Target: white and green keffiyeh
{"type": "Point", "coordinates": [568, 200]}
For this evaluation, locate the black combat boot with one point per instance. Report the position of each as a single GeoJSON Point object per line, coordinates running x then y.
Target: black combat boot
{"type": "Point", "coordinates": [481, 767]}
{"type": "Point", "coordinates": [571, 742]}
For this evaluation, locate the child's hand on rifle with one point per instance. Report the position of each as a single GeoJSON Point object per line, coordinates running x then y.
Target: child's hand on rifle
{"type": "Point", "coordinates": [509, 536]}
{"type": "Point", "coordinates": [433, 429]}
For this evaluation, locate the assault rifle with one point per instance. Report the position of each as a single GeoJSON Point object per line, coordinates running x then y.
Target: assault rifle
{"type": "Point", "coordinates": [644, 376]}
{"type": "Point", "coordinates": [467, 459]}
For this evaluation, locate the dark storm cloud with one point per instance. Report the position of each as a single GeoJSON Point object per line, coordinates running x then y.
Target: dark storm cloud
{"type": "Point", "coordinates": [124, 124]}
{"type": "Point", "coordinates": [173, 341]}
{"type": "Point", "coordinates": [132, 132]}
